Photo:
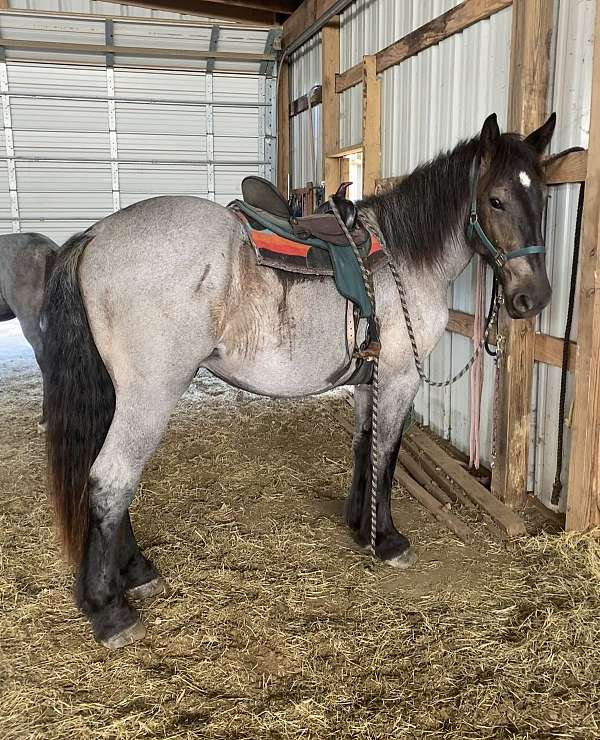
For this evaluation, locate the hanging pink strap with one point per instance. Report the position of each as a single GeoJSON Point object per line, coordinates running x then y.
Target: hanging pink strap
{"type": "Point", "coordinates": [476, 374]}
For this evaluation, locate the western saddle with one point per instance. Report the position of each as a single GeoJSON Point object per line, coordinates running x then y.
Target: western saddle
{"type": "Point", "coordinates": [264, 196]}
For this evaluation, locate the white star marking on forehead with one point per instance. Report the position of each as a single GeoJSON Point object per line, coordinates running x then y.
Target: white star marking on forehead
{"type": "Point", "coordinates": [525, 179]}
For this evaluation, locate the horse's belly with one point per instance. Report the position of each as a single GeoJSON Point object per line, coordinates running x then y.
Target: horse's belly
{"type": "Point", "coordinates": [284, 374]}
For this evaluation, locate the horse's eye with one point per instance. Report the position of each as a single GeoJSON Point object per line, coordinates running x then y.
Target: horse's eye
{"type": "Point", "coordinates": [495, 203]}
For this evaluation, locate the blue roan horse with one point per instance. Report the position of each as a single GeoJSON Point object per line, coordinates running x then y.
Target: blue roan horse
{"type": "Point", "coordinates": [150, 294]}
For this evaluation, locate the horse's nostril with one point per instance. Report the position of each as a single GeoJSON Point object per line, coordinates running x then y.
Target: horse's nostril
{"type": "Point", "coordinates": [523, 303]}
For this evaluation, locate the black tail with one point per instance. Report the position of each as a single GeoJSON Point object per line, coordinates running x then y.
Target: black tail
{"type": "Point", "coordinates": [79, 394]}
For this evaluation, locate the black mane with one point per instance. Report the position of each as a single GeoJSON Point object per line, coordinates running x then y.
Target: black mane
{"type": "Point", "coordinates": [419, 215]}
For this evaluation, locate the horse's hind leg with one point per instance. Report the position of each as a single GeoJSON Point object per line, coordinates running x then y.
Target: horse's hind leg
{"type": "Point", "coordinates": [140, 418]}
{"type": "Point", "coordinates": [395, 397]}
{"type": "Point", "coordinates": [141, 580]}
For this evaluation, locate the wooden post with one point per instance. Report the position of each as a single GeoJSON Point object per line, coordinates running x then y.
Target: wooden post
{"type": "Point", "coordinates": [283, 130]}
{"type": "Point", "coordinates": [528, 91]}
{"type": "Point", "coordinates": [371, 124]}
{"type": "Point", "coordinates": [330, 114]}
{"type": "Point", "coordinates": [583, 502]}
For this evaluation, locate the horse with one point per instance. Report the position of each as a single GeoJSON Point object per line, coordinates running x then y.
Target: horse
{"type": "Point", "coordinates": [25, 263]}
{"type": "Point", "coordinates": [150, 294]}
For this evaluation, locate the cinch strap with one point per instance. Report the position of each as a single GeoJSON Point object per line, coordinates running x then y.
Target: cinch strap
{"type": "Point", "coordinates": [499, 257]}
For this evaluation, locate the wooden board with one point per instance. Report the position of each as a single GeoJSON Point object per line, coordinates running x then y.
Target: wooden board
{"type": "Point", "coordinates": [371, 125]}
{"type": "Point", "coordinates": [283, 130]}
{"type": "Point", "coordinates": [330, 115]}
{"type": "Point", "coordinates": [302, 18]}
{"type": "Point", "coordinates": [346, 151]}
{"type": "Point", "coordinates": [547, 349]}
{"type": "Point", "coordinates": [583, 502]}
{"type": "Point", "coordinates": [454, 21]}
{"type": "Point", "coordinates": [528, 95]}
{"type": "Point", "coordinates": [436, 473]}
{"type": "Point", "coordinates": [445, 517]}
{"type": "Point", "coordinates": [506, 519]}
{"type": "Point", "coordinates": [572, 167]}
{"type": "Point", "coordinates": [301, 104]}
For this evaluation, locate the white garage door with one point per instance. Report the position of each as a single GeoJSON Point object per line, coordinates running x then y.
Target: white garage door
{"type": "Point", "coordinates": [82, 138]}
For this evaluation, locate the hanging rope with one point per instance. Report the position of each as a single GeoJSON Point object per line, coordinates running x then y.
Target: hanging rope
{"type": "Point", "coordinates": [476, 375]}
{"type": "Point", "coordinates": [557, 487]}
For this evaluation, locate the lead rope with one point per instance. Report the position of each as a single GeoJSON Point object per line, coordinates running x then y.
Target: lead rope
{"type": "Point", "coordinates": [366, 276]}
{"type": "Point", "coordinates": [368, 221]}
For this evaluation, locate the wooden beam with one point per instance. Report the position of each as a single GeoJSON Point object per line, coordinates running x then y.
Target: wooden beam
{"type": "Point", "coordinates": [571, 167]}
{"type": "Point", "coordinates": [528, 95]}
{"type": "Point", "coordinates": [303, 18]}
{"type": "Point", "coordinates": [301, 104]}
{"type": "Point", "coordinates": [583, 502]}
{"type": "Point", "coordinates": [330, 115]}
{"type": "Point", "coordinates": [506, 519]}
{"type": "Point", "coordinates": [440, 512]}
{"type": "Point", "coordinates": [211, 9]}
{"type": "Point", "coordinates": [548, 349]}
{"type": "Point", "coordinates": [454, 21]}
{"type": "Point", "coordinates": [346, 151]}
{"type": "Point", "coordinates": [371, 125]}
{"type": "Point", "coordinates": [283, 129]}
{"type": "Point", "coordinates": [133, 51]}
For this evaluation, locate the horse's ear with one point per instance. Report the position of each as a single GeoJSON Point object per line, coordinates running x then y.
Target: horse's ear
{"type": "Point", "coordinates": [490, 134]}
{"type": "Point", "coordinates": [540, 138]}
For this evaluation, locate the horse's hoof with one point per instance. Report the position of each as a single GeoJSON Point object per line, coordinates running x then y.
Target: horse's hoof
{"type": "Point", "coordinates": [132, 634]}
{"type": "Point", "coordinates": [42, 427]}
{"type": "Point", "coordinates": [404, 560]}
{"type": "Point", "coordinates": [155, 587]}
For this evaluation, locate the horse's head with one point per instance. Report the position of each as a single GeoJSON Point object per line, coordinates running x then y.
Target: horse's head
{"type": "Point", "coordinates": [508, 196]}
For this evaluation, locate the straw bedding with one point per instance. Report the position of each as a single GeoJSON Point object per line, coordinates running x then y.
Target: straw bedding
{"type": "Point", "coordinates": [276, 627]}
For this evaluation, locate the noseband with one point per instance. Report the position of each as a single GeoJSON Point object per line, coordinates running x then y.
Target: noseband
{"type": "Point", "coordinates": [499, 258]}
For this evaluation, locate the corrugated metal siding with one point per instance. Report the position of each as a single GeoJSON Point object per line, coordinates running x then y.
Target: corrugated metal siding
{"type": "Point", "coordinates": [429, 103]}
{"type": "Point", "coordinates": [305, 66]}
{"type": "Point", "coordinates": [570, 98]}
{"type": "Point", "coordinates": [67, 173]}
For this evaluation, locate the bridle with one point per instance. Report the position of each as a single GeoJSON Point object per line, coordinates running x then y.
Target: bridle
{"type": "Point", "coordinates": [474, 228]}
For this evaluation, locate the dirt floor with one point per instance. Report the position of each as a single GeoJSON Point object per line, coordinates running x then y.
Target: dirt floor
{"type": "Point", "coordinates": [276, 626]}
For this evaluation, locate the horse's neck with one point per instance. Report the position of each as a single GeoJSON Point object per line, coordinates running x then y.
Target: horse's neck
{"type": "Point", "coordinates": [456, 256]}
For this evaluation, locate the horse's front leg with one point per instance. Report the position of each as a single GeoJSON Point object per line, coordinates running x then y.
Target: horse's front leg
{"type": "Point", "coordinates": [395, 398]}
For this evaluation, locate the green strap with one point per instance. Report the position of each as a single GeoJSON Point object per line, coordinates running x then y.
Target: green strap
{"type": "Point", "coordinates": [474, 228]}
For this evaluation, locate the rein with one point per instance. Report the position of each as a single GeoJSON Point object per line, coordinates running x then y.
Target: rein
{"type": "Point", "coordinates": [499, 258]}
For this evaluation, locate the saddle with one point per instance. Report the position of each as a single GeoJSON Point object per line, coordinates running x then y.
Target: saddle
{"type": "Point", "coordinates": [313, 245]}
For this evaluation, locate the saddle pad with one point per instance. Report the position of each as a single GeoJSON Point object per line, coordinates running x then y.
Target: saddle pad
{"type": "Point", "coordinates": [331, 260]}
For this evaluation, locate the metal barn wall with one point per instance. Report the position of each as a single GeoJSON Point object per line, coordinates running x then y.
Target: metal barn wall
{"type": "Point", "coordinates": [81, 139]}
{"type": "Point", "coordinates": [305, 65]}
{"type": "Point", "coordinates": [429, 103]}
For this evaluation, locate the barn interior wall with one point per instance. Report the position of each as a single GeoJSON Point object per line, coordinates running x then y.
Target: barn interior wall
{"type": "Point", "coordinates": [82, 138]}
{"type": "Point", "coordinates": [429, 103]}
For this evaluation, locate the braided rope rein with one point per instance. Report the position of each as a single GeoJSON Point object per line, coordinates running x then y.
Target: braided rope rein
{"type": "Point", "coordinates": [373, 228]}
{"type": "Point", "coordinates": [366, 276]}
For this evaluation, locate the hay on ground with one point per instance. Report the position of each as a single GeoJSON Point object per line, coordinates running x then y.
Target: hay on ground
{"type": "Point", "coordinates": [276, 626]}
